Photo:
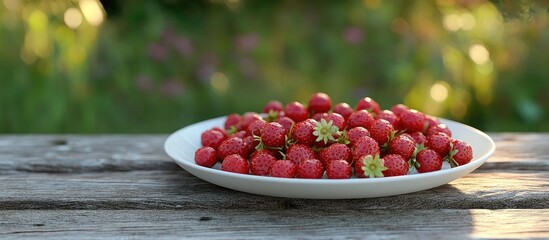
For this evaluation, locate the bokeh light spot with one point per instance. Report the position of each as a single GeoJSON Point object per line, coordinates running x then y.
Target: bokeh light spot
{"type": "Point", "coordinates": [479, 54]}
{"type": "Point", "coordinates": [439, 92]}
{"type": "Point", "coordinates": [93, 11]}
{"type": "Point", "coordinates": [72, 18]}
{"type": "Point", "coordinates": [219, 82]}
{"type": "Point", "coordinates": [467, 21]}
{"type": "Point", "coordinates": [452, 22]}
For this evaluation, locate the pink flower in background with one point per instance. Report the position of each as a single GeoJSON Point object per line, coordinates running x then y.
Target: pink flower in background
{"type": "Point", "coordinates": [353, 35]}
{"type": "Point", "coordinates": [144, 83]}
{"type": "Point", "coordinates": [182, 45]}
{"type": "Point", "coordinates": [246, 42]}
{"type": "Point", "coordinates": [157, 52]}
{"type": "Point", "coordinates": [171, 88]}
{"type": "Point", "coordinates": [207, 67]}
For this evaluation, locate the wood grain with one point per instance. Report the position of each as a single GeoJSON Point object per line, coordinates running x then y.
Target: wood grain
{"type": "Point", "coordinates": [125, 186]}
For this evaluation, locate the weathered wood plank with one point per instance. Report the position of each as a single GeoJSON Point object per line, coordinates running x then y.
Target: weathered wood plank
{"type": "Point", "coordinates": [180, 190]}
{"type": "Point", "coordinates": [221, 223]}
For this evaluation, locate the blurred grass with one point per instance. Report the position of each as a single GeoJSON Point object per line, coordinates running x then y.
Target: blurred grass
{"type": "Point", "coordinates": [155, 66]}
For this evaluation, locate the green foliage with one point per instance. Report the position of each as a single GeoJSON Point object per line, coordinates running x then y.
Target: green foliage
{"type": "Point", "coordinates": [155, 66]}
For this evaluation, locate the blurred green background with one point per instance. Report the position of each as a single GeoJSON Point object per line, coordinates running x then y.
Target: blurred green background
{"type": "Point", "coordinates": [94, 66]}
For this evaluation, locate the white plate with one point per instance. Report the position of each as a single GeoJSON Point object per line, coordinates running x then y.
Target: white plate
{"type": "Point", "coordinates": [182, 144]}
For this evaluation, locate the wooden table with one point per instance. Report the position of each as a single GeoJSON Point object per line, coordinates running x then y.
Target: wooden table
{"type": "Point", "coordinates": [125, 186]}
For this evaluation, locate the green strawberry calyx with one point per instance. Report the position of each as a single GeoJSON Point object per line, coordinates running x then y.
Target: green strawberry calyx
{"type": "Point", "coordinates": [324, 131]}
{"type": "Point", "coordinates": [373, 166]}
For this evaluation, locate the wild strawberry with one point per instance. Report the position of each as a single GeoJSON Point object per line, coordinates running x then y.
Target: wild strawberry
{"type": "Point", "coordinates": [391, 118]}
{"type": "Point", "coordinates": [399, 109]}
{"type": "Point", "coordinates": [273, 135]}
{"type": "Point", "coordinates": [232, 145]}
{"type": "Point", "coordinates": [370, 166]}
{"type": "Point", "coordinates": [287, 123]}
{"type": "Point", "coordinates": [439, 128]}
{"type": "Point", "coordinates": [273, 106]}
{"type": "Point", "coordinates": [428, 161]}
{"type": "Point", "coordinates": [318, 116]}
{"type": "Point", "coordinates": [440, 142]}
{"type": "Point", "coordinates": [261, 162]}
{"type": "Point", "coordinates": [240, 134]}
{"type": "Point", "coordinates": [254, 129]}
{"type": "Point", "coordinates": [339, 169]}
{"type": "Point", "coordinates": [337, 120]}
{"type": "Point", "coordinates": [368, 104]}
{"type": "Point", "coordinates": [355, 133]}
{"type": "Point", "coordinates": [233, 121]}
{"type": "Point", "coordinates": [361, 118]}
{"type": "Point", "coordinates": [460, 154]}
{"type": "Point", "coordinates": [403, 146]}
{"type": "Point", "coordinates": [205, 156]}
{"type": "Point", "coordinates": [396, 165]}
{"type": "Point", "coordinates": [283, 169]}
{"type": "Point", "coordinates": [364, 146]}
{"type": "Point", "coordinates": [235, 163]}
{"type": "Point", "coordinates": [299, 152]}
{"type": "Point", "coordinates": [248, 118]}
{"type": "Point", "coordinates": [296, 111]}
{"type": "Point", "coordinates": [302, 132]}
{"type": "Point", "coordinates": [343, 109]}
{"type": "Point", "coordinates": [212, 138]}
{"type": "Point", "coordinates": [381, 130]}
{"type": "Point", "coordinates": [429, 121]}
{"type": "Point", "coordinates": [418, 137]}
{"type": "Point", "coordinates": [310, 168]}
{"type": "Point", "coordinates": [251, 143]}
{"type": "Point", "coordinates": [336, 151]}
{"type": "Point", "coordinates": [320, 103]}
{"type": "Point", "coordinates": [412, 121]}
{"type": "Point", "coordinates": [324, 131]}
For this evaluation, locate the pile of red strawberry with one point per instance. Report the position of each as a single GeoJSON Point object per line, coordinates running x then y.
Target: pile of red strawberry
{"type": "Point", "coordinates": [309, 141]}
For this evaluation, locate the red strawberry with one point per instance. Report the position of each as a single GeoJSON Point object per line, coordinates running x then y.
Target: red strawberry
{"type": "Point", "coordinates": [235, 163]}
{"type": "Point", "coordinates": [233, 121]}
{"type": "Point", "coordinates": [273, 135]}
{"type": "Point", "coordinates": [460, 154]}
{"type": "Point", "coordinates": [205, 156]}
{"type": "Point", "coordinates": [299, 152]}
{"type": "Point", "coordinates": [381, 130]}
{"type": "Point", "coordinates": [429, 121]}
{"type": "Point", "coordinates": [283, 169]}
{"type": "Point", "coordinates": [361, 118]}
{"type": "Point", "coordinates": [439, 128]}
{"type": "Point", "coordinates": [232, 145]}
{"type": "Point", "coordinates": [248, 118]}
{"type": "Point", "coordinates": [412, 121]}
{"type": "Point", "coordinates": [399, 109]}
{"type": "Point", "coordinates": [339, 169]}
{"type": "Point", "coordinates": [296, 111]}
{"type": "Point", "coordinates": [364, 146]}
{"type": "Point", "coordinates": [418, 137]}
{"type": "Point", "coordinates": [240, 134]}
{"type": "Point", "coordinates": [261, 162]}
{"type": "Point", "coordinates": [310, 168]}
{"type": "Point", "coordinates": [396, 165]}
{"type": "Point", "coordinates": [391, 118]}
{"type": "Point", "coordinates": [273, 106]}
{"type": "Point", "coordinates": [336, 151]}
{"type": "Point", "coordinates": [337, 120]}
{"type": "Point", "coordinates": [287, 123]}
{"type": "Point", "coordinates": [320, 103]}
{"type": "Point", "coordinates": [428, 161]}
{"type": "Point", "coordinates": [357, 132]}
{"type": "Point", "coordinates": [251, 143]}
{"type": "Point", "coordinates": [368, 104]}
{"type": "Point", "coordinates": [343, 109]}
{"type": "Point", "coordinates": [403, 146]}
{"type": "Point", "coordinates": [440, 142]}
{"type": "Point", "coordinates": [254, 128]}
{"type": "Point", "coordinates": [302, 132]}
{"type": "Point", "coordinates": [212, 138]}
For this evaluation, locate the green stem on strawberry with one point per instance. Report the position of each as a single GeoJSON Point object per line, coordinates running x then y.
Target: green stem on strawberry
{"type": "Point", "coordinates": [324, 131]}
{"type": "Point", "coordinates": [373, 166]}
